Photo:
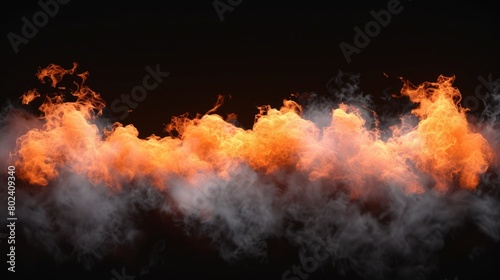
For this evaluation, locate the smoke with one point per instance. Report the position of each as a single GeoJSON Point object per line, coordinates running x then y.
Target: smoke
{"type": "Point", "coordinates": [74, 214]}
{"type": "Point", "coordinates": [14, 122]}
{"type": "Point", "coordinates": [238, 214]}
{"type": "Point", "coordinates": [315, 173]}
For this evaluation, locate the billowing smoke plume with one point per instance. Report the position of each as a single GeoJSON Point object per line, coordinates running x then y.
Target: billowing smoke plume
{"type": "Point", "coordinates": [330, 175]}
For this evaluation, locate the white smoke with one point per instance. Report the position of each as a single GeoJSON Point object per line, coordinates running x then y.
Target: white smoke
{"type": "Point", "coordinates": [386, 234]}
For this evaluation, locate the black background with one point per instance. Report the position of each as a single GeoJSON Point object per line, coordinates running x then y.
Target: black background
{"type": "Point", "coordinates": [259, 54]}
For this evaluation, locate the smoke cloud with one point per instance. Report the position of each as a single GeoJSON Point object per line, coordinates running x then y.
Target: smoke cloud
{"type": "Point", "coordinates": [380, 194]}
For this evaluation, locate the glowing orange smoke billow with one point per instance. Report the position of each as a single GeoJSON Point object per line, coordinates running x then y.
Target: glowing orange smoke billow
{"type": "Point", "coordinates": [441, 147]}
{"type": "Point", "coordinates": [444, 145]}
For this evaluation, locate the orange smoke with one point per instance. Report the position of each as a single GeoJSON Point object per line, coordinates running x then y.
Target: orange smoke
{"type": "Point", "coordinates": [347, 154]}
{"type": "Point", "coordinates": [443, 144]}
